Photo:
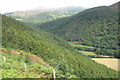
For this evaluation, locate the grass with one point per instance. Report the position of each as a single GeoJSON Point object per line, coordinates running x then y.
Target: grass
{"type": "Point", "coordinates": [109, 62]}
{"type": "Point", "coordinates": [88, 53]}
{"type": "Point", "coordinates": [19, 19]}
{"type": "Point", "coordinates": [76, 45]}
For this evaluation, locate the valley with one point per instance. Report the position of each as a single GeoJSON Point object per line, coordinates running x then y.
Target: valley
{"type": "Point", "coordinates": [70, 42]}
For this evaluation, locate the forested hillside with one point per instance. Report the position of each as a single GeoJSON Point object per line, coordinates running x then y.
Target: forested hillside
{"type": "Point", "coordinates": [96, 27]}
{"type": "Point", "coordinates": [53, 50]}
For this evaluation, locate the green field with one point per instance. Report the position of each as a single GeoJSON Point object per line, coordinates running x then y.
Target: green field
{"type": "Point", "coordinates": [78, 45]}
{"type": "Point", "coordinates": [88, 53]}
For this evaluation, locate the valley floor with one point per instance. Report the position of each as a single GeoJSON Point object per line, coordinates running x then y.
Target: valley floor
{"type": "Point", "coordinates": [109, 62]}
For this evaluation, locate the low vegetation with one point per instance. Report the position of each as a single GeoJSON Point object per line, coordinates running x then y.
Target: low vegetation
{"type": "Point", "coordinates": [14, 61]}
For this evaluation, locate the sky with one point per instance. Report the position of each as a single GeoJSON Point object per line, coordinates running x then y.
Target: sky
{"type": "Point", "coordinates": [21, 5]}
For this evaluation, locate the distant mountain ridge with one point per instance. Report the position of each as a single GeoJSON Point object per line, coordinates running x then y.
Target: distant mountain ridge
{"type": "Point", "coordinates": [41, 15]}
{"type": "Point", "coordinates": [28, 13]}
{"type": "Point", "coordinates": [115, 6]}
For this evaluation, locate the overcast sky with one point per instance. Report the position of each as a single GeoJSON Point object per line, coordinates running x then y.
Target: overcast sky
{"type": "Point", "coordinates": [18, 5]}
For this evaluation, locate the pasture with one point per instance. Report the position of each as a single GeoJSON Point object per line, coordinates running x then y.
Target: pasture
{"type": "Point", "coordinates": [113, 63]}
{"type": "Point", "coordinates": [88, 53]}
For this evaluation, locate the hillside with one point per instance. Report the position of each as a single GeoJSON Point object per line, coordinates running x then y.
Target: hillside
{"type": "Point", "coordinates": [53, 50]}
{"type": "Point", "coordinates": [96, 27]}
{"type": "Point", "coordinates": [14, 61]}
{"type": "Point", "coordinates": [40, 15]}
{"type": "Point", "coordinates": [115, 6]}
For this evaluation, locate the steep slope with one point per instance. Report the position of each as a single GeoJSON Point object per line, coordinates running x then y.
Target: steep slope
{"type": "Point", "coordinates": [14, 61]}
{"type": "Point", "coordinates": [68, 63]}
{"type": "Point", "coordinates": [96, 27]}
